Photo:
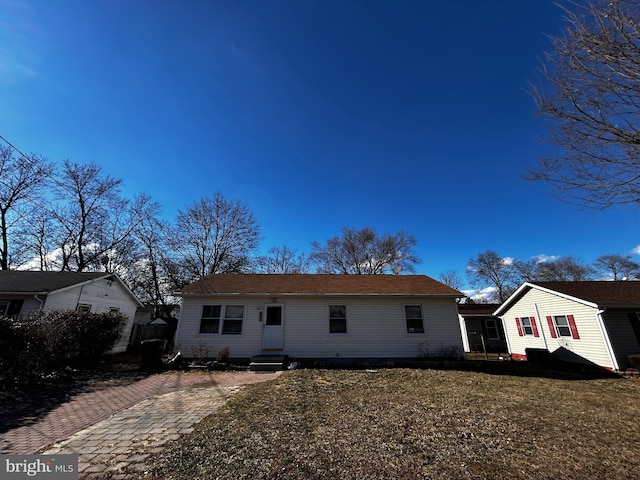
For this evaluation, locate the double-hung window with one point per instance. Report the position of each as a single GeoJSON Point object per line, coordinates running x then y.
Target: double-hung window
{"type": "Point", "coordinates": [562, 325]}
{"type": "Point", "coordinates": [492, 329]}
{"type": "Point", "coordinates": [527, 327]}
{"type": "Point", "coordinates": [337, 319]}
{"type": "Point", "coordinates": [413, 318]}
{"type": "Point", "coordinates": [230, 316]}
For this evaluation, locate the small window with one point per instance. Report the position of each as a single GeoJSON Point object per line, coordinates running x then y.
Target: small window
{"type": "Point", "coordinates": [562, 325]}
{"type": "Point", "coordinates": [337, 319]}
{"type": "Point", "coordinates": [83, 307]}
{"type": "Point", "coordinates": [527, 328]}
{"type": "Point", "coordinates": [114, 310]}
{"type": "Point", "coordinates": [233, 316]}
{"type": "Point", "coordinates": [210, 320]}
{"type": "Point", "coordinates": [413, 317]}
{"type": "Point", "coordinates": [492, 329]}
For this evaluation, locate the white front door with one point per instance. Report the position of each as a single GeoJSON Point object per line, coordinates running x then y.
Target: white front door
{"type": "Point", "coordinates": [273, 328]}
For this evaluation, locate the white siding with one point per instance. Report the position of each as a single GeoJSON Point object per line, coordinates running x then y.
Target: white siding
{"type": "Point", "coordinates": [102, 297]}
{"type": "Point", "coordinates": [590, 347]}
{"type": "Point", "coordinates": [375, 328]}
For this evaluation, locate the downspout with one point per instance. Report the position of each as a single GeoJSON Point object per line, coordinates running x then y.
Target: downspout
{"type": "Point", "coordinates": [541, 329]}
{"type": "Point", "coordinates": [607, 342]}
{"type": "Point", "coordinates": [40, 301]}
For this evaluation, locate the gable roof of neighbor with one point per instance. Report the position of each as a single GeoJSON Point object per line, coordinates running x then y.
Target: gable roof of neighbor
{"type": "Point", "coordinates": [21, 281]}
{"type": "Point", "coordinates": [25, 282]}
{"type": "Point", "coordinates": [311, 284]}
{"type": "Point", "coordinates": [600, 294]}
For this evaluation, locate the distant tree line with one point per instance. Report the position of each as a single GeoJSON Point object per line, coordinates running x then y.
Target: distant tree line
{"type": "Point", "coordinates": [503, 275]}
{"type": "Point", "coordinates": [74, 217]}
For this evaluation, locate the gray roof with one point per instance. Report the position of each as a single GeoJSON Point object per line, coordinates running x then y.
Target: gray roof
{"type": "Point", "coordinates": [20, 281]}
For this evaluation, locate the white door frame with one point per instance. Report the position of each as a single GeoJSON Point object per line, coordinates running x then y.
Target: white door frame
{"type": "Point", "coordinates": [273, 335]}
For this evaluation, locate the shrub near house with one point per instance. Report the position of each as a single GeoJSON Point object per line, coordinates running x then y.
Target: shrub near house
{"type": "Point", "coordinates": [37, 345]}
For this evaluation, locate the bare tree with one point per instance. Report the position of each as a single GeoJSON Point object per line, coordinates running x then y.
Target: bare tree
{"type": "Point", "coordinates": [617, 267]}
{"type": "Point", "coordinates": [565, 269]}
{"type": "Point", "coordinates": [451, 278]}
{"type": "Point", "coordinates": [489, 269]}
{"type": "Point", "coordinates": [92, 218]}
{"type": "Point", "coordinates": [283, 260]}
{"type": "Point", "coordinates": [20, 179]}
{"type": "Point", "coordinates": [592, 102]}
{"type": "Point", "coordinates": [215, 235]}
{"type": "Point", "coordinates": [364, 252]}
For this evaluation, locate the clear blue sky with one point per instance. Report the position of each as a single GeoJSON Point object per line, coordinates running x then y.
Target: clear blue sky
{"type": "Point", "coordinates": [399, 115]}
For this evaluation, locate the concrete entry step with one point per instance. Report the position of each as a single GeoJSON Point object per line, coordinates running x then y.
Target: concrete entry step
{"type": "Point", "coordinates": [267, 363]}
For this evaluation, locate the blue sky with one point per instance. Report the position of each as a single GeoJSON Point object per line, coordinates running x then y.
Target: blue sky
{"type": "Point", "coordinates": [409, 115]}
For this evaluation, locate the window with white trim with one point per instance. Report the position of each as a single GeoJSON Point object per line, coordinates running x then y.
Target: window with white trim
{"type": "Point", "coordinates": [337, 319]}
{"type": "Point", "coordinates": [229, 317]}
{"type": "Point", "coordinates": [413, 318]}
{"type": "Point", "coordinates": [492, 329]}
{"type": "Point", "coordinates": [233, 316]}
{"type": "Point", "coordinates": [562, 325]}
{"type": "Point", "coordinates": [527, 328]}
{"type": "Point", "coordinates": [83, 307]}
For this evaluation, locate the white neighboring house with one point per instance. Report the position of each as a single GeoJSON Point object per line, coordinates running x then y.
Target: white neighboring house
{"type": "Point", "coordinates": [23, 292]}
{"type": "Point", "coordinates": [585, 322]}
{"type": "Point", "coordinates": [306, 316]}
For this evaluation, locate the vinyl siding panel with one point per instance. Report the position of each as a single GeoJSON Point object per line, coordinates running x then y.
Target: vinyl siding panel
{"type": "Point", "coordinates": [376, 328]}
{"type": "Point", "coordinates": [590, 348]}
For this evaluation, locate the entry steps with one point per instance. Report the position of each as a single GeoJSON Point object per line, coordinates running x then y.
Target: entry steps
{"type": "Point", "coordinates": [267, 363]}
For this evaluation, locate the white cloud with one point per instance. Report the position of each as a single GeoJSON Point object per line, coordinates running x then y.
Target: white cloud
{"type": "Point", "coordinates": [508, 260]}
{"type": "Point", "coordinates": [543, 258]}
{"type": "Point", "coordinates": [636, 251]}
{"type": "Point", "coordinates": [482, 295]}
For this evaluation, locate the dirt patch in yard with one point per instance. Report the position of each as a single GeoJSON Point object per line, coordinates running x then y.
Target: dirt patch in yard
{"type": "Point", "coordinates": [410, 424]}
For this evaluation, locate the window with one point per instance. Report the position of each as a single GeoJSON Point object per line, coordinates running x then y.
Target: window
{"type": "Point", "coordinates": [337, 319]}
{"type": "Point", "coordinates": [527, 327]}
{"type": "Point", "coordinates": [562, 326]}
{"type": "Point", "coordinates": [4, 307]}
{"type": "Point", "coordinates": [233, 315]}
{"type": "Point", "coordinates": [114, 310]}
{"type": "Point", "coordinates": [83, 307]}
{"type": "Point", "coordinates": [492, 329]}
{"type": "Point", "coordinates": [413, 316]}
{"type": "Point", "coordinates": [210, 320]}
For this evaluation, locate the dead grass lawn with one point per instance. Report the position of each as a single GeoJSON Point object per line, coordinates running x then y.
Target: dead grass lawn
{"type": "Point", "coordinates": [415, 424]}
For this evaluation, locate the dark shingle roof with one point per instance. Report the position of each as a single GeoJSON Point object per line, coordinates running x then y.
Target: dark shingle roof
{"type": "Point", "coordinates": [20, 281]}
{"type": "Point", "coordinates": [304, 284]}
{"type": "Point", "coordinates": [601, 293]}
{"type": "Point", "coordinates": [477, 308]}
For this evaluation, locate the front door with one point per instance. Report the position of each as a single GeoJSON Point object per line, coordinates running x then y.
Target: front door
{"type": "Point", "coordinates": [273, 328]}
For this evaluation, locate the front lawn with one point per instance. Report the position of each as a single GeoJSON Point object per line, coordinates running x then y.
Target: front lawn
{"type": "Point", "coordinates": [415, 424]}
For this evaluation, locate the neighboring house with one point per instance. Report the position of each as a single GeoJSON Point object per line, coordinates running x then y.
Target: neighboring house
{"type": "Point", "coordinates": [481, 330]}
{"type": "Point", "coordinates": [23, 292]}
{"type": "Point", "coordinates": [319, 316]}
{"type": "Point", "coordinates": [585, 322]}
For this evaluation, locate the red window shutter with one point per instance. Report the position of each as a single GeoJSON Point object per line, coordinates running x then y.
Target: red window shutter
{"type": "Point", "coordinates": [534, 326]}
{"type": "Point", "coordinates": [519, 326]}
{"type": "Point", "coordinates": [552, 327]}
{"type": "Point", "coordinates": [572, 326]}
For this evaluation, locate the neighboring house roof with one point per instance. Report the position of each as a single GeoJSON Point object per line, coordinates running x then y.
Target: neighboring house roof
{"type": "Point", "coordinates": [26, 282]}
{"type": "Point", "coordinates": [477, 309]}
{"type": "Point", "coordinates": [307, 284]}
{"type": "Point", "coordinates": [600, 294]}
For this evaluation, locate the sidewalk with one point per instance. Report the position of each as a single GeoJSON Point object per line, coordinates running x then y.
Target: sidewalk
{"type": "Point", "coordinates": [115, 428]}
